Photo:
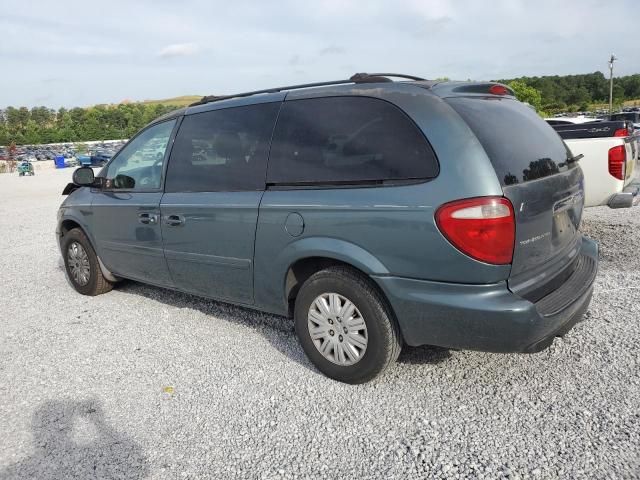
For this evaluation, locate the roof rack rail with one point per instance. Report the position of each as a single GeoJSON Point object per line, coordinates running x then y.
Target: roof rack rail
{"type": "Point", "coordinates": [377, 77]}
{"type": "Point", "coordinates": [357, 78]}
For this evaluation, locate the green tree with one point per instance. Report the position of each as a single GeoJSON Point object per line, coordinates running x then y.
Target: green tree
{"type": "Point", "coordinates": [42, 116]}
{"type": "Point", "coordinates": [527, 94]}
{"type": "Point", "coordinates": [580, 97]}
{"type": "Point", "coordinates": [32, 133]}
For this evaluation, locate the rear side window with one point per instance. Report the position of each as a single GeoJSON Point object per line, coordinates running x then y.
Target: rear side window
{"type": "Point", "coordinates": [347, 140]}
{"type": "Point", "coordinates": [520, 145]}
{"type": "Point", "coordinates": [222, 150]}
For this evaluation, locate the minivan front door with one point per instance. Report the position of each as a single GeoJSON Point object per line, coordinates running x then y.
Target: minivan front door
{"type": "Point", "coordinates": [126, 213]}
{"type": "Point", "coordinates": [215, 181]}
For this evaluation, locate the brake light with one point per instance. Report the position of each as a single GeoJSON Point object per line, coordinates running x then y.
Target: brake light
{"type": "Point", "coordinates": [621, 132]}
{"type": "Point", "coordinates": [482, 228]}
{"type": "Point", "coordinates": [498, 90]}
{"type": "Point", "coordinates": [617, 161]}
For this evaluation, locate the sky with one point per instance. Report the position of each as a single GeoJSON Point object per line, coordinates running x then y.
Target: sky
{"type": "Point", "coordinates": [78, 53]}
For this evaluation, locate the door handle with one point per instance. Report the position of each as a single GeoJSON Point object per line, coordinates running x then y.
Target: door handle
{"type": "Point", "coordinates": [174, 220]}
{"type": "Point", "coordinates": [148, 218]}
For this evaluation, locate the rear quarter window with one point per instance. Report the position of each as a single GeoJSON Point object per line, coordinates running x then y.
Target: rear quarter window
{"type": "Point", "coordinates": [520, 144]}
{"type": "Point", "coordinates": [343, 140]}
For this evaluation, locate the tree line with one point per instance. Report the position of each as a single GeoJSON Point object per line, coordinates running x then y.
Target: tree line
{"type": "Point", "coordinates": [24, 126]}
{"type": "Point", "coordinates": [579, 92]}
{"type": "Point", "coordinates": [106, 122]}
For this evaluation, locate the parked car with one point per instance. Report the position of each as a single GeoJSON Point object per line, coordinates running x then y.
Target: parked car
{"type": "Point", "coordinates": [610, 154]}
{"type": "Point", "coordinates": [85, 160]}
{"type": "Point", "coordinates": [100, 158]}
{"type": "Point", "coordinates": [96, 159]}
{"type": "Point", "coordinates": [373, 213]}
{"type": "Point", "coordinates": [570, 120]}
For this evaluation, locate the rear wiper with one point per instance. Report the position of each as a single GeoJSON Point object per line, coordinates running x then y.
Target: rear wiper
{"type": "Point", "coordinates": [575, 158]}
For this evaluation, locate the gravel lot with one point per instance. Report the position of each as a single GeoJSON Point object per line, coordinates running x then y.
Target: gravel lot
{"type": "Point", "coordinates": [148, 383]}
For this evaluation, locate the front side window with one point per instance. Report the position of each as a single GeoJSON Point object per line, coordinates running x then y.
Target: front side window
{"type": "Point", "coordinates": [347, 140]}
{"type": "Point", "coordinates": [138, 166]}
{"type": "Point", "coordinates": [222, 150]}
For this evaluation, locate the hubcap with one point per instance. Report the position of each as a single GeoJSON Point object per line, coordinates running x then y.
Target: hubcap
{"type": "Point", "coordinates": [337, 329]}
{"type": "Point", "coordinates": [78, 261]}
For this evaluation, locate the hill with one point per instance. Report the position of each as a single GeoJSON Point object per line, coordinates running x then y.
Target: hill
{"type": "Point", "coordinates": [182, 101]}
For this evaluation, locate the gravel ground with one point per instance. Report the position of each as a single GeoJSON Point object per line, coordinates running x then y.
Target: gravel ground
{"type": "Point", "coordinates": [148, 383]}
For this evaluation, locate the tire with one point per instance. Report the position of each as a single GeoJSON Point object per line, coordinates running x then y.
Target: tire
{"type": "Point", "coordinates": [94, 283]}
{"type": "Point", "coordinates": [383, 339]}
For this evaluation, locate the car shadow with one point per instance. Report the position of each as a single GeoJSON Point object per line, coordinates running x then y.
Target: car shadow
{"type": "Point", "coordinates": [423, 355]}
{"type": "Point", "coordinates": [277, 330]}
{"type": "Point", "coordinates": [72, 440]}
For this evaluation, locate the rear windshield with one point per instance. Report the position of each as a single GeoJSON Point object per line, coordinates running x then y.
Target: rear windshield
{"type": "Point", "coordinates": [520, 145]}
{"type": "Point", "coordinates": [631, 117]}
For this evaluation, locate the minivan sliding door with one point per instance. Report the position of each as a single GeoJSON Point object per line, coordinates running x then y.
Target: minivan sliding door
{"type": "Point", "coordinates": [215, 181]}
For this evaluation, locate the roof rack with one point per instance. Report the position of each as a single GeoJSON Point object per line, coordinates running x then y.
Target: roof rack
{"type": "Point", "coordinates": [356, 78]}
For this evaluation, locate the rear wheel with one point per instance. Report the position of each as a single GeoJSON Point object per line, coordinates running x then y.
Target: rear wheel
{"type": "Point", "coordinates": [81, 264]}
{"type": "Point", "coordinates": [344, 326]}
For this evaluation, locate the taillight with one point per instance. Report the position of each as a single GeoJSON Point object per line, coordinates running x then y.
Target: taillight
{"type": "Point", "coordinates": [621, 132]}
{"type": "Point", "coordinates": [617, 161]}
{"type": "Point", "coordinates": [482, 228]}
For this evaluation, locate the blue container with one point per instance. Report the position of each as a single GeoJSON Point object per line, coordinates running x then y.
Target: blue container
{"type": "Point", "coordinates": [60, 161]}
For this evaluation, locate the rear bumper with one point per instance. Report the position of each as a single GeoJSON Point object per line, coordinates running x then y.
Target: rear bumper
{"type": "Point", "coordinates": [489, 317]}
{"type": "Point", "coordinates": [627, 198]}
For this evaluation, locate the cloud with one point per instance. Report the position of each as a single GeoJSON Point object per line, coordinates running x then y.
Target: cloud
{"type": "Point", "coordinates": [332, 50]}
{"type": "Point", "coordinates": [294, 60]}
{"type": "Point", "coordinates": [178, 50]}
{"type": "Point", "coordinates": [93, 51]}
{"type": "Point", "coordinates": [279, 40]}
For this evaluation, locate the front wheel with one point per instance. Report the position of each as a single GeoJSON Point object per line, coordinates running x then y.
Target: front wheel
{"type": "Point", "coordinates": [344, 326]}
{"type": "Point", "coordinates": [81, 264]}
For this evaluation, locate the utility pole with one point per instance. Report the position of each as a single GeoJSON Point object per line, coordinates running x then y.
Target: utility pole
{"type": "Point", "coordinates": [611, 60]}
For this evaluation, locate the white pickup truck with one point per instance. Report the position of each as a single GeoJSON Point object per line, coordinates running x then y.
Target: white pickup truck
{"type": "Point", "coordinates": [609, 160]}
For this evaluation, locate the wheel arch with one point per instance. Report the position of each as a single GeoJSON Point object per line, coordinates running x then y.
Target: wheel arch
{"type": "Point", "coordinates": [303, 268]}
{"type": "Point", "coordinates": [302, 258]}
{"type": "Point", "coordinates": [69, 223]}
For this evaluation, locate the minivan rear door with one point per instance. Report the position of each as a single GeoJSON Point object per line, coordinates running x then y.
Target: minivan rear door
{"type": "Point", "coordinates": [541, 179]}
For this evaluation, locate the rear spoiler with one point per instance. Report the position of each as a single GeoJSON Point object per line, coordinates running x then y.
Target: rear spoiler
{"type": "Point", "coordinates": [595, 129]}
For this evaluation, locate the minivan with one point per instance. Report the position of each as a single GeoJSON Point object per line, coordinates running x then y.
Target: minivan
{"type": "Point", "coordinates": [373, 213]}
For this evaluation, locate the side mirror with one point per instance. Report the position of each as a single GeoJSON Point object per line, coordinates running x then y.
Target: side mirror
{"type": "Point", "coordinates": [84, 177]}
